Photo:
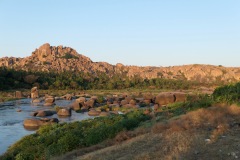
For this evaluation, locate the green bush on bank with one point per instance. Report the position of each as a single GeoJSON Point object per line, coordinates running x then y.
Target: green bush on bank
{"type": "Point", "coordinates": [58, 139]}
{"type": "Point", "coordinates": [227, 94]}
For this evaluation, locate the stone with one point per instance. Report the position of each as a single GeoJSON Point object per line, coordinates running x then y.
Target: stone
{"type": "Point", "coordinates": [165, 98]}
{"type": "Point", "coordinates": [44, 113]}
{"type": "Point", "coordinates": [37, 100]}
{"type": "Point", "coordinates": [124, 102]}
{"type": "Point", "coordinates": [180, 96]}
{"type": "Point", "coordinates": [32, 123]}
{"type": "Point", "coordinates": [34, 93]}
{"type": "Point", "coordinates": [18, 94]}
{"type": "Point", "coordinates": [128, 99]}
{"type": "Point", "coordinates": [50, 100]}
{"type": "Point", "coordinates": [148, 96]}
{"type": "Point", "coordinates": [76, 106]}
{"type": "Point", "coordinates": [132, 102]}
{"type": "Point", "coordinates": [90, 103]}
{"type": "Point", "coordinates": [81, 100]}
{"type": "Point", "coordinates": [94, 98]}
{"type": "Point", "coordinates": [104, 114]}
{"type": "Point", "coordinates": [64, 112]}
{"type": "Point", "coordinates": [93, 113]}
{"type": "Point", "coordinates": [48, 104]}
{"type": "Point", "coordinates": [36, 123]}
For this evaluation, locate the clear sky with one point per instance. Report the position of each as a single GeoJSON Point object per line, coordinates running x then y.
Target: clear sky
{"type": "Point", "coordinates": [133, 32]}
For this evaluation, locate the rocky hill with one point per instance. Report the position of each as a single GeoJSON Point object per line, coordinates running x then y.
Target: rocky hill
{"type": "Point", "coordinates": [59, 59]}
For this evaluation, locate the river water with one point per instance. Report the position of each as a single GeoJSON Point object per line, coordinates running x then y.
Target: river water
{"type": "Point", "coordinates": [11, 121]}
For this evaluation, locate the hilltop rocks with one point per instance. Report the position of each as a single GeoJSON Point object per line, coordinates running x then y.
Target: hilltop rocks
{"type": "Point", "coordinates": [60, 59]}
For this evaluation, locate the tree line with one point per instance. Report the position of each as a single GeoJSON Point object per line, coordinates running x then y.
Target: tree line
{"type": "Point", "coordinates": [19, 79]}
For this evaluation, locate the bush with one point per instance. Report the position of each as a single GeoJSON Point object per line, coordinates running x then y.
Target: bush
{"type": "Point", "coordinates": [69, 56]}
{"type": "Point", "coordinates": [61, 138]}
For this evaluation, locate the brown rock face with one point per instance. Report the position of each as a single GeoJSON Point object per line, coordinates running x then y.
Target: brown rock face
{"type": "Point", "coordinates": [59, 59]}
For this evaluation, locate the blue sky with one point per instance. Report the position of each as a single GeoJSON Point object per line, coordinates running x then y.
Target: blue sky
{"type": "Point", "coordinates": [133, 32]}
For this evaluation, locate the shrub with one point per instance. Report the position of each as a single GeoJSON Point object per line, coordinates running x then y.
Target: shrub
{"type": "Point", "coordinates": [61, 138]}
{"type": "Point", "coordinates": [69, 56]}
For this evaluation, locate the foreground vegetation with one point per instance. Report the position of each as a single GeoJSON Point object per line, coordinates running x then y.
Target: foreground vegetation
{"type": "Point", "coordinates": [53, 140]}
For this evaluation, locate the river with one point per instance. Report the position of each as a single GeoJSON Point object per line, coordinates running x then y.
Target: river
{"type": "Point", "coordinates": [11, 121]}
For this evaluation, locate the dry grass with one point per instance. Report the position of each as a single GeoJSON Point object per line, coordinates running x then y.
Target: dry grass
{"type": "Point", "coordinates": [211, 133]}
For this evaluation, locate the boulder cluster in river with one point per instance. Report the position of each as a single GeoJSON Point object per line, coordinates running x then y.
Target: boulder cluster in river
{"type": "Point", "coordinates": [99, 105]}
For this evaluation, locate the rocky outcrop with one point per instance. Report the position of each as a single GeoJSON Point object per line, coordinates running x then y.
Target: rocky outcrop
{"type": "Point", "coordinates": [59, 59]}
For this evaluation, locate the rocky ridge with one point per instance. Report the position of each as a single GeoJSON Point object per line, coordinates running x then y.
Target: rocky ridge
{"type": "Point", "coordinates": [59, 59]}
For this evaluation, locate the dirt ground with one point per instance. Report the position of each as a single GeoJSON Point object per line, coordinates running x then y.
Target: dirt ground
{"type": "Point", "coordinates": [211, 133]}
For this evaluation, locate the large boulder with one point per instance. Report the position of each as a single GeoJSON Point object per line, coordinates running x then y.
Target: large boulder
{"type": "Point", "coordinates": [165, 98]}
{"type": "Point", "coordinates": [64, 112]}
{"type": "Point", "coordinates": [76, 106]}
{"type": "Point", "coordinates": [81, 100]}
{"type": "Point", "coordinates": [93, 113]}
{"type": "Point", "coordinates": [180, 96]}
{"type": "Point", "coordinates": [44, 113]}
{"type": "Point", "coordinates": [50, 100]}
{"type": "Point", "coordinates": [90, 103]}
{"type": "Point", "coordinates": [32, 123]}
{"type": "Point", "coordinates": [36, 123]}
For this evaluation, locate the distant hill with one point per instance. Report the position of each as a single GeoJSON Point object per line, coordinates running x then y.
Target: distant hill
{"type": "Point", "coordinates": [59, 59]}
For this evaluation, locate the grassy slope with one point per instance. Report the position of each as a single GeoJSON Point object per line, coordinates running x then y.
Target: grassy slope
{"type": "Point", "coordinates": [211, 133]}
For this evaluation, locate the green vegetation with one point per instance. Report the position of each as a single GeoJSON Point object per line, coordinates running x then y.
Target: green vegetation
{"type": "Point", "coordinates": [50, 141]}
{"type": "Point", "coordinates": [69, 56]}
{"type": "Point", "coordinates": [227, 94]}
{"type": "Point", "coordinates": [58, 139]}
{"type": "Point", "coordinates": [18, 79]}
